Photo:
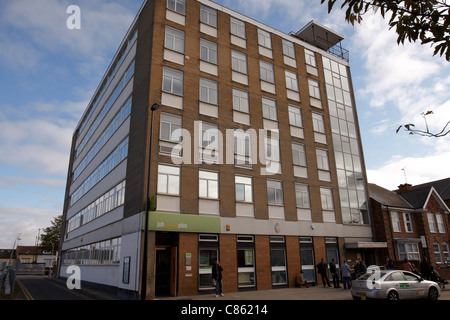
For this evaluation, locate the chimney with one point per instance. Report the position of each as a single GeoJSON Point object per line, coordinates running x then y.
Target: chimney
{"type": "Point", "coordinates": [404, 188]}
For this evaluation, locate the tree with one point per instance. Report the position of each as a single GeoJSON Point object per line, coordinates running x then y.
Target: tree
{"type": "Point", "coordinates": [51, 235]}
{"type": "Point", "coordinates": [411, 128]}
{"type": "Point", "coordinates": [424, 20]}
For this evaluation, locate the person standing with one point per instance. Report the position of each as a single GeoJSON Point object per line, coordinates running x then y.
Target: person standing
{"type": "Point", "coordinates": [322, 268]}
{"type": "Point", "coordinates": [334, 273]}
{"type": "Point", "coordinates": [425, 269]}
{"type": "Point", "coordinates": [217, 276]}
{"type": "Point", "coordinates": [345, 269]}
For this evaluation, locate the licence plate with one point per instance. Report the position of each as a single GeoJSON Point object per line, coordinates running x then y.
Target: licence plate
{"type": "Point", "coordinates": [362, 295]}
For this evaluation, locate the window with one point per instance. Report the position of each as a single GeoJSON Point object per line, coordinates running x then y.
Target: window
{"type": "Point", "coordinates": [274, 192]}
{"type": "Point", "coordinates": [266, 71]}
{"type": "Point", "coordinates": [172, 81]}
{"type": "Point", "coordinates": [310, 58]}
{"type": "Point", "coordinates": [295, 116]}
{"type": "Point", "coordinates": [396, 226]}
{"type": "Point", "coordinates": [246, 261]}
{"type": "Point", "coordinates": [440, 222]}
{"type": "Point", "coordinates": [446, 251]}
{"type": "Point", "coordinates": [177, 5]}
{"type": "Point", "coordinates": [431, 223]}
{"type": "Point", "coordinates": [307, 258]}
{"type": "Point", "coordinates": [291, 80]}
{"type": "Point", "coordinates": [208, 91]}
{"type": "Point", "coordinates": [244, 189]}
{"type": "Point", "coordinates": [269, 109]}
{"type": "Point", "coordinates": [318, 123]}
{"type": "Point", "coordinates": [237, 27]}
{"type": "Point", "coordinates": [314, 90]}
{"type": "Point", "coordinates": [298, 154]}
{"type": "Point", "coordinates": [326, 196]}
{"type": "Point", "coordinates": [168, 179]}
{"type": "Point", "coordinates": [240, 100]}
{"type": "Point", "coordinates": [208, 16]}
{"type": "Point", "coordinates": [170, 123]}
{"type": "Point", "coordinates": [322, 159]}
{"type": "Point", "coordinates": [272, 145]}
{"type": "Point", "coordinates": [407, 221]}
{"type": "Point", "coordinates": [302, 195]}
{"type": "Point", "coordinates": [174, 39]}
{"type": "Point", "coordinates": [209, 135]}
{"type": "Point", "coordinates": [264, 39]}
{"type": "Point", "coordinates": [208, 184]}
{"type": "Point", "coordinates": [408, 250]}
{"type": "Point", "coordinates": [288, 49]}
{"type": "Point", "coordinates": [437, 252]}
{"type": "Point", "coordinates": [208, 245]}
{"type": "Point", "coordinates": [208, 51]}
{"type": "Point", "coordinates": [242, 148]}
{"type": "Point", "coordinates": [239, 61]}
{"type": "Point", "coordinates": [278, 260]}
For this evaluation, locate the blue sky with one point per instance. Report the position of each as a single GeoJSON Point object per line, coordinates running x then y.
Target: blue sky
{"type": "Point", "coordinates": [48, 74]}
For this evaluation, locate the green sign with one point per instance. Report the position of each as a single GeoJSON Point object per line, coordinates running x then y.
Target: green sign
{"type": "Point", "coordinates": [160, 221]}
{"type": "Point", "coordinates": [404, 285]}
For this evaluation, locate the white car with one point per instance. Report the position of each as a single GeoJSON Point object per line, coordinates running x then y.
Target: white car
{"type": "Point", "coordinates": [393, 285]}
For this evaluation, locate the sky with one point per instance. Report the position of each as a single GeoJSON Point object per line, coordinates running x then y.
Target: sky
{"type": "Point", "coordinates": [49, 72]}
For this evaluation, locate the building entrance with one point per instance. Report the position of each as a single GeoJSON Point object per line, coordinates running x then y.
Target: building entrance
{"type": "Point", "coordinates": [166, 264]}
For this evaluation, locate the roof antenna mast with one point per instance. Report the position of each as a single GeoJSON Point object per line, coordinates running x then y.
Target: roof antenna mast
{"type": "Point", "coordinates": [404, 172]}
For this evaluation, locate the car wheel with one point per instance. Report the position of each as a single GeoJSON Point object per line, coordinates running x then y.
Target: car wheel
{"type": "Point", "coordinates": [392, 295]}
{"type": "Point", "coordinates": [433, 293]}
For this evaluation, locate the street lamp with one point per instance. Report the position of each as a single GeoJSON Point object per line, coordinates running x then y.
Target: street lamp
{"type": "Point", "coordinates": [153, 108]}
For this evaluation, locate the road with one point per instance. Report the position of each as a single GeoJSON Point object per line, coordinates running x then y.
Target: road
{"type": "Point", "coordinates": [40, 288]}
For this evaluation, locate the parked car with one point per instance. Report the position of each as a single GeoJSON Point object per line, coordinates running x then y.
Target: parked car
{"type": "Point", "coordinates": [393, 285]}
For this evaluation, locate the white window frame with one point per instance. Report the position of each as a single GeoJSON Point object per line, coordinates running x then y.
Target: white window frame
{"type": "Point", "coordinates": [314, 88]}
{"type": "Point", "coordinates": [266, 71]}
{"type": "Point", "coordinates": [295, 116]}
{"type": "Point", "coordinates": [264, 39]}
{"type": "Point", "coordinates": [269, 108]}
{"type": "Point", "coordinates": [277, 187]}
{"type": "Point", "coordinates": [302, 196]}
{"type": "Point", "coordinates": [174, 39]}
{"type": "Point", "coordinates": [172, 77]}
{"type": "Point", "coordinates": [208, 51]}
{"type": "Point", "coordinates": [310, 58]}
{"type": "Point", "coordinates": [171, 175]}
{"type": "Point", "coordinates": [318, 122]}
{"type": "Point", "coordinates": [431, 222]}
{"type": "Point", "coordinates": [446, 251]}
{"type": "Point", "coordinates": [178, 6]}
{"type": "Point", "coordinates": [407, 221]}
{"type": "Point", "coordinates": [326, 198]}
{"type": "Point", "coordinates": [322, 159]}
{"type": "Point", "coordinates": [395, 220]}
{"type": "Point", "coordinates": [208, 16]}
{"type": "Point", "coordinates": [237, 27]}
{"type": "Point", "coordinates": [240, 100]}
{"type": "Point", "coordinates": [437, 252]}
{"type": "Point", "coordinates": [208, 184]}
{"type": "Point", "coordinates": [288, 49]}
{"type": "Point", "coordinates": [247, 186]}
{"type": "Point", "coordinates": [238, 61]}
{"type": "Point", "coordinates": [408, 250]}
{"type": "Point", "coordinates": [291, 80]}
{"type": "Point", "coordinates": [209, 91]}
{"type": "Point", "coordinates": [298, 154]}
{"type": "Point", "coordinates": [174, 122]}
{"type": "Point", "coordinates": [440, 222]}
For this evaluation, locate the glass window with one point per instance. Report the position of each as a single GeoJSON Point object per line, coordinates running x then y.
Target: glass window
{"type": "Point", "coordinates": [237, 27]}
{"type": "Point", "coordinates": [244, 189]}
{"type": "Point", "coordinates": [207, 259]}
{"type": "Point", "coordinates": [298, 154]}
{"type": "Point", "coordinates": [208, 15]}
{"type": "Point", "coordinates": [408, 250]}
{"type": "Point", "coordinates": [266, 71]}
{"type": "Point", "coordinates": [314, 89]}
{"type": "Point", "coordinates": [208, 91]}
{"type": "Point", "coordinates": [208, 51]}
{"type": "Point", "coordinates": [278, 264]}
{"type": "Point", "coordinates": [272, 148]}
{"type": "Point", "coordinates": [437, 252]}
{"type": "Point", "coordinates": [269, 108]}
{"type": "Point", "coordinates": [440, 222]}
{"type": "Point", "coordinates": [326, 196]}
{"type": "Point", "coordinates": [264, 39]}
{"type": "Point", "coordinates": [174, 39]}
{"type": "Point", "coordinates": [172, 81]}
{"type": "Point", "coordinates": [396, 276]}
{"type": "Point", "coordinates": [310, 58]}
{"type": "Point", "coordinates": [209, 135]}
{"type": "Point", "coordinates": [240, 100]}
{"type": "Point", "coordinates": [295, 116]}
{"type": "Point", "coordinates": [396, 226]}
{"type": "Point", "coordinates": [168, 179]}
{"type": "Point", "coordinates": [318, 123]}
{"type": "Point", "coordinates": [445, 251]}
{"type": "Point", "coordinates": [243, 147]}
{"type": "Point", "coordinates": [431, 223]}
{"type": "Point", "coordinates": [208, 184]}
{"type": "Point", "coordinates": [239, 61]}
{"type": "Point", "coordinates": [407, 221]}
{"type": "Point", "coordinates": [177, 5]}
{"type": "Point", "coordinates": [291, 80]}
{"type": "Point", "coordinates": [288, 49]}
{"type": "Point", "coordinates": [170, 123]}
{"type": "Point", "coordinates": [302, 195]}
{"type": "Point", "coordinates": [246, 267]}
{"type": "Point", "coordinates": [274, 192]}
{"type": "Point", "coordinates": [322, 159]}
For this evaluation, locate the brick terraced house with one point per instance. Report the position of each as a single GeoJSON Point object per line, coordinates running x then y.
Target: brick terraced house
{"type": "Point", "coordinates": [237, 143]}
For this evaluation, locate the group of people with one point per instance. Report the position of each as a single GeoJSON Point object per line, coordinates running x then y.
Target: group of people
{"type": "Point", "coordinates": [359, 268]}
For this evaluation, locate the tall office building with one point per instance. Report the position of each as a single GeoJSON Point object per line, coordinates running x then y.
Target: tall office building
{"type": "Point", "coordinates": [241, 141]}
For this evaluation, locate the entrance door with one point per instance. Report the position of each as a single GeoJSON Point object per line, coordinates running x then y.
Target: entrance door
{"type": "Point", "coordinates": [162, 271]}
